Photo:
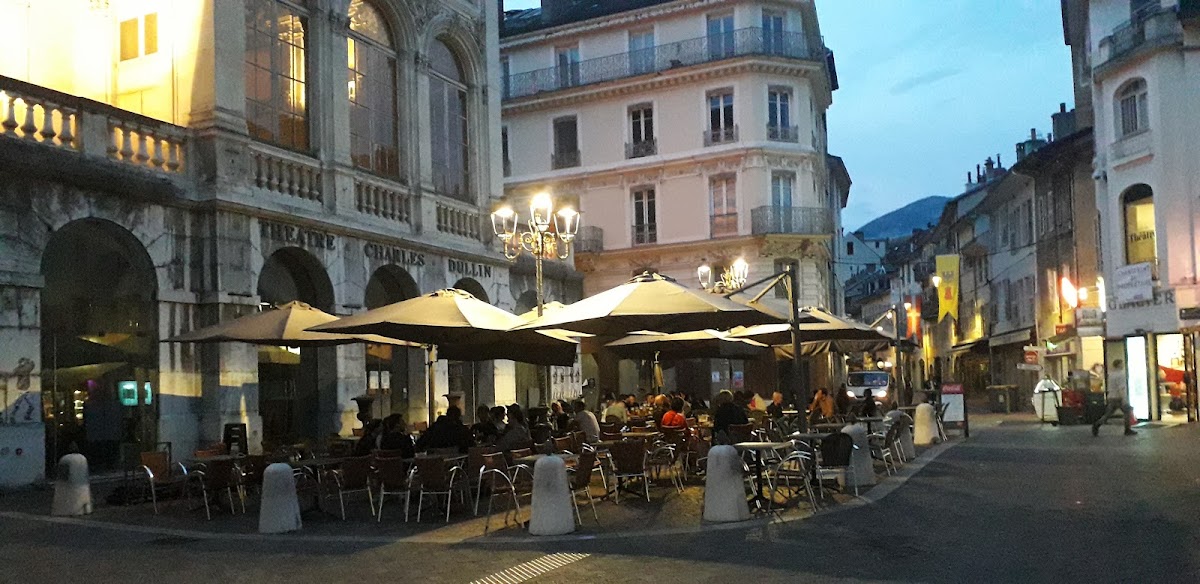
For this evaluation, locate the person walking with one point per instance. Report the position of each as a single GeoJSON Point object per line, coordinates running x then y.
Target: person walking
{"type": "Point", "coordinates": [1114, 391]}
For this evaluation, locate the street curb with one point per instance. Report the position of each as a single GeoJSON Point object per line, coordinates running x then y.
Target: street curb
{"type": "Point", "coordinates": [876, 494]}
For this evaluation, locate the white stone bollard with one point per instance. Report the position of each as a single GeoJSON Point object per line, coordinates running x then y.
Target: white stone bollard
{"type": "Point", "coordinates": [860, 458]}
{"type": "Point", "coordinates": [72, 491]}
{"type": "Point", "coordinates": [552, 512]}
{"type": "Point", "coordinates": [724, 488]}
{"type": "Point", "coordinates": [280, 508]}
{"type": "Point", "coordinates": [925, 426]}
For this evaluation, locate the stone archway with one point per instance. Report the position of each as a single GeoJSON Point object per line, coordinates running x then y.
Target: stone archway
{"type": "Point", "coordinates": [99, 342]}
{"type": "Point", "coordinates": [295, 385]}
{"type": "Point", "coordinates": [473, 287]}
{"type": "Point", "coordinates": [393, 371]}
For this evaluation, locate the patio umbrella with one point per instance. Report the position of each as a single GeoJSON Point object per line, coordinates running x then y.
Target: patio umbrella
{"type": "Point", "coordinates": [285, 326]}
{"type": "Point", "coordinates": [703, 344]}
{"type": "Point", "coordinates": [651, 302]}
{"type": "Point", "coordinates": [816, 325]}
{"type": "Point", "coordinates": [457, 326]}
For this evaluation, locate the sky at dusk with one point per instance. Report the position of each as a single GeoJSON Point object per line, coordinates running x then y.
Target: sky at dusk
{"type": "Point", "coordinates": [930, 88]}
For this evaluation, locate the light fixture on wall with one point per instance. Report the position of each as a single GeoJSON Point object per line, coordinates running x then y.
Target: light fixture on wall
{"type": "Point", "coordinates": [730, 279]}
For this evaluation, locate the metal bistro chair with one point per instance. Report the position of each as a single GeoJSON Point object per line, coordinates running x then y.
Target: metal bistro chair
{"type": "Point", "coordinates": [501, 480]}
{"type": "Point", "coordinates": [629, 462]}
{"type": "Point", "coordinates": [217, 476]}
{"type": "Point", "coordinates": [433, 478]}
{"type": "Point", "coordinates": [391, 476]}
{"type": "Point", "coordinates": [836, 450]}
{"type": "Point", "coordinates": [161, 475]}
{"type": "Point", "coordinates": [941, 423]}
{"type": "Point", "coordinates": [796, 465]}
{"type": "Point", "coordinates": [354, 476]}
{"type": "Point", "coordinates": [581, 483]}
{"type": "Point", "coordinates": [883, 447]}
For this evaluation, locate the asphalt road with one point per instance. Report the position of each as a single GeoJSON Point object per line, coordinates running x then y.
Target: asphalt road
{"type": "Point", "coordinates": [1015, 503]}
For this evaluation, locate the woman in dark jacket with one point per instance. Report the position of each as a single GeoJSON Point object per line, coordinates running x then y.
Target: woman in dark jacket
{"type": "Point", "coordinates": [726, 414]}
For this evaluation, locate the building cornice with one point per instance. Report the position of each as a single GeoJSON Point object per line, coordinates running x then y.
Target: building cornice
{"type": "Point", "coordinates": [667, 79]}
{"type": "Point", "coordinates": [620, 20]}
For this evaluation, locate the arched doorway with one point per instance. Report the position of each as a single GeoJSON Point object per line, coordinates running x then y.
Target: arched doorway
{"type": "Point", "coordinates": [99, 344]}
{"type": "Point", "coordinates": [390, 369]}
{"type": "Point", "coordinates": [289, 379]}
{"type": "Point", "coordinates": [474, 287]}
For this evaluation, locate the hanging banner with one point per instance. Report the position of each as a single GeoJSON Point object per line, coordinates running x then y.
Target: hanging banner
{"type": "Point", "coordinates": [947, 270]}
{"type": "Point", "coordinates": [913, 316]}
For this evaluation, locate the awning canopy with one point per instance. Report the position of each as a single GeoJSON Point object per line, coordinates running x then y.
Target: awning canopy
{"type": "Point", "coordinates": [1012, 337]}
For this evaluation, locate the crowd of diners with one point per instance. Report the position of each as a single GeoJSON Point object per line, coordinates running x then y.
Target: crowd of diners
{"type": "Point", "coordinates": [512, 427]}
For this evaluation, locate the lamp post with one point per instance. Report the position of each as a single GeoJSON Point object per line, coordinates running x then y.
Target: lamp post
{"type": "Point", "coordinates": [545, 230]}
{"type": "Point", "coordinates": [731, 279]}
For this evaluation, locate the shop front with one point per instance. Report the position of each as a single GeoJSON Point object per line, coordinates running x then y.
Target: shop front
{"type": "Point", "coordinates": [1157, 341]}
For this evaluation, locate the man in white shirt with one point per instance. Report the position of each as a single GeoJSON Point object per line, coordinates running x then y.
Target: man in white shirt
{"type": "Point", "coordinates": [616, 408]}
{"type": "Point", "coordinates": [1115, 392]}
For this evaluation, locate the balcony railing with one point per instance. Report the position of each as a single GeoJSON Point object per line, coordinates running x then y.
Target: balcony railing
{"type": "Point", "coordinates": [589, 240]}
{"type": "Point", "coordinates": [568, 159]}
{"type": "Point", "coordinates": [720, 136]}
{"type": "Point", "coordinates": [53, 119]}
{"type": "Point", "coordinates": [783, 133]}
{"type": "Point", "coordinates": [707, 49]}
{"type": "Point", "coordinates": [640, 149]}
{"type": "Point", "coordinates": [645, 234]}
{"type": "Point", "coordinates": [791, 220]}
{"type": "Point", "coordinates": [723, 225]}
{"type": "Point", "coordinates": [1154, 26]}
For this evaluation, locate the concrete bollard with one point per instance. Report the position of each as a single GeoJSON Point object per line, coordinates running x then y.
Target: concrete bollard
{"type": "Point", "coordinates": [724, 489]}
{"type": "Point", "coordinates": [925, 426]}
{"type": "Point", "coordinates": [280, 509]}
{"type": "Point", "coordinates": [552, 512]}
{"type": "Point", "coordinates": [860, 458]}
{"type": "Point", "coordinates": [72, 491]}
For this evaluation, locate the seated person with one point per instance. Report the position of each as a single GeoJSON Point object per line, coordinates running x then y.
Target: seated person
{"type": "Point", "coordinates": [516, 433]}
{"type": "Point", "coordinates": [395, 436]}
{"type": "Point", "coordinates": [674, 417]}
{"type": "Point", "coordinates": [776, 407]}
{"type": "Point", "coordinates": [370, 438]}
{"type": "Point", "coordinates": [484, 431]}
{"type": "Point", "coordinates": [822, 406]}
{"type": "Point", "coordinates": [616, 409]}
{"type": "Point", "coordinates": [558, 416]}
{"type": "Point", "coordinates": [447, 432]}
{"type": "Point", "coordinates": [587, 422]}
{"type": "Point", "coordinates": [726, 414]}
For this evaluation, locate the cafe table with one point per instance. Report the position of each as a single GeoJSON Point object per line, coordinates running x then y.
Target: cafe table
{"type": "Point", "coordinates": [641, 435]}
{"type": "Point", "coordinates": [533, 458]}
{"type": "Point", "coordinates": [758, 448]}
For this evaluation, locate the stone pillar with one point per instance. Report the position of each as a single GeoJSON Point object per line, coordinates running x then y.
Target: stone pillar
{"type": "Point", "coordinates": [339, 413]}
{"type": "Point", "coordinates": [219, 100]}
{"type": "Point", "coordinates": [229, 394]}
{"type": "Point", "coordinates": [22, 432]}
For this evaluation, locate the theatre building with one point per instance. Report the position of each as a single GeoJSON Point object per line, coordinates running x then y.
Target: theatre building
{"type": "Point", "coordinates": [170, 165]}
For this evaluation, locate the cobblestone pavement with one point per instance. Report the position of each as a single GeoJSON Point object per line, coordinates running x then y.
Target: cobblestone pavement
{"type": "Point", "coordinates": [1017, 502]}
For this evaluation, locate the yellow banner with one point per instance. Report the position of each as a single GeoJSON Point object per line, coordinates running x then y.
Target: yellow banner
{"type": "Point", "coordinates": [947, 270]}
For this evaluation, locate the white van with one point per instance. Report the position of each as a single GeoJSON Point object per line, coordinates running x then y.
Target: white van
{"type": "Point", "coordinates": [878, 383]}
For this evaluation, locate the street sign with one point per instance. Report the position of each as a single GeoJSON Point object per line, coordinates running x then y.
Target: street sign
{"type": "Point", "coordinates": [1029, 366]}
{"type": "Point", "coordinates": [1134, 283]}
{"type": "Point", "coordinates": [1189, 313]}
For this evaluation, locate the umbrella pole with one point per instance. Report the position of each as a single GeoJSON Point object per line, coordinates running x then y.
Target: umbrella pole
{"type": "Point", "coordinates": [798, 390]}
{"type": "Point", "coordinates": [431, 381]}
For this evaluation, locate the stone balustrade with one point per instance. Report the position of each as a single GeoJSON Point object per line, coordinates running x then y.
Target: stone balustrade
{"type": "Point", "coordinates": [157, 146]}
{"type": "Point", "coordinates": [375, 197]}
{"type": "Point", "coordinates": [286, 173]}
{"type": "Point", "coordinates": [459, 219]}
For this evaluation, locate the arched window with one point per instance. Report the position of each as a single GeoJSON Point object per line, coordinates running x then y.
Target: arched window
{"type": "Point", "coordinates": [372, 87]}
{"type": "Point", "coordinates": [1132, 113]}
{"type": "Point", "coordinates": [1138, 203]}
{"type": "Point", "coordinates": [276, 87]}
{"type": "Point", "coordinates": [448, 122]}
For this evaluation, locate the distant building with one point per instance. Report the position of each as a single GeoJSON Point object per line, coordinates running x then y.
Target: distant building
{"type": "Point", "coordinates": [690, 132]}
{"type": "Point", "coordinates": [858, 253]}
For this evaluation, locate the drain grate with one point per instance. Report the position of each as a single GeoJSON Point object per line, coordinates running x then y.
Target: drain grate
{"type": "Point", "coordinates": [531, 569]}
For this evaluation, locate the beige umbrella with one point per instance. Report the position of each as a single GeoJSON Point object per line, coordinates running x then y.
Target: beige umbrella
{"type": "Point", "coordinates": [457, 326]}
{"type": "Point", "coordinates": [816, 325]}
{"type": "Point", "coordinates": [650, 302]}
{"type": "Point", "coordinates": [285, 326]}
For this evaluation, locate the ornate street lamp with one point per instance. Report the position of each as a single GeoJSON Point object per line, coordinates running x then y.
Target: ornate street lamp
{"type": "Point", "coordinates": [549, 235]}
{"type": "Point", "coordinates": [730, 279]}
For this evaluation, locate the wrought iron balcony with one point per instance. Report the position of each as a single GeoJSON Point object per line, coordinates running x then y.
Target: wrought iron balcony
{"type": "Point", "coordinates": [783, 133]}
{"type": "Point", "coordinates": [567, 159]}
{"type": "Point", "coordinates": [645, 234]}
{"type": "Point", "coordinates": [720, 136]}
{"type": "Point", "coordinates": [791, 220]}
{"type": "Point", "coordinates": [706, 49]}
{"type": "Point", "coordinates": [1151, 27]}
{"type": "Point", "coordinates": [640, 149]}
{"type": "Point", "coordinates": [589, 240]}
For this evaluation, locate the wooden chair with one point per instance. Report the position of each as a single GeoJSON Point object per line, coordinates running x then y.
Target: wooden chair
{"type": "Point", "coordinates": [581, 483]}
{"type": "Point", "coordinates": [217, 476]}
{"type": "Point", "coordinates": [501, 480]}
{"type": "Point", "coordinates": [741, 433]}
{"type": "Point", "coordinates": [610, 436]}
{"type": "Point", "coordinates": [628, 461]}
{"type": "Point", "coordinates": [392, 478]}
{"type": "Point", "coordinates": [162, 475]}
{"type": "Point", "coordinates": [564, 444]}
{"type": "Point", "coordinates": [354, 476]}
{"type": "Point", "coordinates": [433, 478]}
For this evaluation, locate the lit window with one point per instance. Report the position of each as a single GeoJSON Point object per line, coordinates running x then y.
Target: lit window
{"type": "Point", "coordinates": [372, 91]}
{"type": "Point", "coordinates": [139, 36]}
{"type": "Point", "coordinates": [1138, 202]}
{"type": "Point", "coordinates": [276, 89]}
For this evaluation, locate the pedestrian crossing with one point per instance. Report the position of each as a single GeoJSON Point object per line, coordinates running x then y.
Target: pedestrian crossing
{"type": "Point", "coordinates": [531, 569]}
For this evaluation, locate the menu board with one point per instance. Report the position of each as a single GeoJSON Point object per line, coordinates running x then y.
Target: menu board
{"type": "Point", "coordinates": [952, 397]}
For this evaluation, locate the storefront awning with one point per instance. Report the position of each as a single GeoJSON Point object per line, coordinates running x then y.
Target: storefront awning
{"type": "Point", "coordinates": [979, 344]}
{"type": "Point", "coordinates": [1012, 337]}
